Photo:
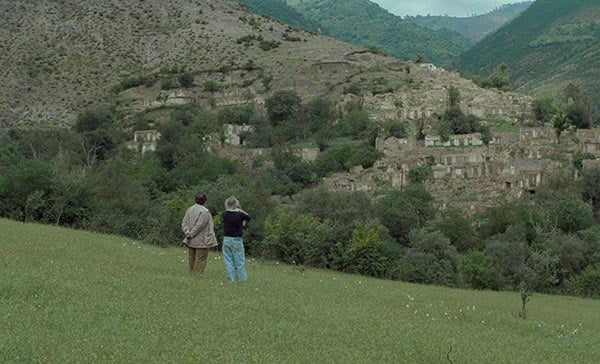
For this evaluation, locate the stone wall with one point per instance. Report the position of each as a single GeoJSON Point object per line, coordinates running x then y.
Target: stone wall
{"type": "Point", "coordinates": [454, 140]}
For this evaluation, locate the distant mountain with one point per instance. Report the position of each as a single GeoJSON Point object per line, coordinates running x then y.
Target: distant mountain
{"type": "Point", "coordinates": [278, 9]}
{"type": "Point", "coordinates": [364, 23]}
{"type": "Point", "coordinates": [551, 44]}
{"type": "Point", "coordinates": [472, 27]}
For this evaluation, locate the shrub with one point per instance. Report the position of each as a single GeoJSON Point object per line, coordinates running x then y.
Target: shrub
{"type": "Point", "coordinates": [571, 252]}
{"type": "Point", "coordinates": [544, 109]}
{"type": "Point", "coordinates": [268, 45]}
{"type": "Point", "coordinates": [186, 80]}
{"type": "Point", "coordinates": [477, 271]}
{"type": "Point", "coordinates": [571, 215]}
{"type": "Point", "coordinates": [365, 251]}
{"type": "Point", "coordinates": [419, 174]}
{"type": "Point", "coordinates": [578, 159]}
{"type": "Point", "coordinates": [211, 86]}
{"type": "Point", "coordinates": [283, 105]}
{"type": "Point", "coordinates": [459, 230]}
{"type": "Point", "coordinates": [395, 128]}
{"type": "Point", "coordinates": [343, 209]}
{"type": "Point", "coordinates": [591, 240]}
{"type": "Point", "coordinates": [167, 84]}
{"type": "Point", "coordinates": [509, 252]}
{"type": "Point", "coordinates": [237, 115]}
{"type": "Point", "coordinates": [297, 239]}
{"type": "Point", "coordinates": [586, 284]}
{"type": "Point", "coordinates": [590, 186]}
{"type": "Point", "coordinates": [402, 211]}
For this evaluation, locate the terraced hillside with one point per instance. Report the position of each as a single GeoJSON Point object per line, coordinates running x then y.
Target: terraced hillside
{"type": "Point", "coordinates": [67, 56]}
{"type": "Point", "coordinates": [553, 43]}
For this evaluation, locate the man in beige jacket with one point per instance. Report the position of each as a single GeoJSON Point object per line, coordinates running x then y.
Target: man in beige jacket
{"type": "Point", "coordinates": [199, 231]}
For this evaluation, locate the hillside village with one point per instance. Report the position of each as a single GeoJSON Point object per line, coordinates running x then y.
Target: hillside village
{"type": "Point", "coordinates": [467, 173]}
{"type": "Point", "coordinates": [262, 56]}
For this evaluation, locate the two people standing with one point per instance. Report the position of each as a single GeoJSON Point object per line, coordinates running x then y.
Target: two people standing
{"type": "Point", "coordinates": [198, 227]}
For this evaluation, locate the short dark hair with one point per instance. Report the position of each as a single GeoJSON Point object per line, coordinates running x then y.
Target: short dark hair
{"type": "Point", "coordinates": [201, 198]}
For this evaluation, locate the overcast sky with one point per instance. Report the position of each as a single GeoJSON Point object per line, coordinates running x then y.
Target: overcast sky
{"type": "Point", "coordinates": [441, 7]}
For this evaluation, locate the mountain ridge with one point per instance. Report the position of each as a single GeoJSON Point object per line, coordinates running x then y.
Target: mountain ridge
{"type": "Point", "coordinates": [551, 44]}
{"type": "Point", "coordinates": [472, 27]}
{"type": "Point", "coordinates": [367, 24]}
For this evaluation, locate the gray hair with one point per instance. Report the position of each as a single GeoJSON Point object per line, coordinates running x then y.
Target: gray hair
{"type": "Point", "coordinates": [231, 203]}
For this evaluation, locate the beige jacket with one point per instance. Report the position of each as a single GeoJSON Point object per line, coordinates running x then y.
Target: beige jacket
{"type": "Point", "coordinates": [199, 222]}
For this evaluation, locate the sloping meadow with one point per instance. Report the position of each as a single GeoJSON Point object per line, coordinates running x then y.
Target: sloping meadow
{"type": "Point", "coordinates": [73, 296]}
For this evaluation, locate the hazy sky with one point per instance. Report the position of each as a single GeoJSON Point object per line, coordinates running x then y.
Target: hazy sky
{"type": "Point", "coordinates": [440, 7]}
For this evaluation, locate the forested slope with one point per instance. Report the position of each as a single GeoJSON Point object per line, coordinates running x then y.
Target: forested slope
{"type": "Point", "coordinates": [553, 43]}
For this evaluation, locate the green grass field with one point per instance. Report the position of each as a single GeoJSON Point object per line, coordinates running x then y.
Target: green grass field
{"type": "Point", "coordinates": [73, 296]}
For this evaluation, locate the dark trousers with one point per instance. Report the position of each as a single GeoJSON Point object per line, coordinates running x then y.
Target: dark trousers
{"type": "Point", "coordinates": [198, 257]}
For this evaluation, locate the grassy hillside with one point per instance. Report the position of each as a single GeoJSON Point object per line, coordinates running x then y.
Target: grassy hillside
{"type": "Point", "coordinates": [67, 56]}
{"type": "Point", "coordinates": [472, 27]}
{"type": "Point", "coordinates": [364, 23]}
{"type": "Point", "coordinates": [552, 43]}
{"type": "Point", "coordinates": [70, 296]}
{"type": "Point", "coordinates": [280, 10]}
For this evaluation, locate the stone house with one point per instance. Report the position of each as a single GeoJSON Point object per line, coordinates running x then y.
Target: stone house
{"type": "Point", "coordinates": [144, 141]}
{"type": "Point", "coordinates": [233, 133]}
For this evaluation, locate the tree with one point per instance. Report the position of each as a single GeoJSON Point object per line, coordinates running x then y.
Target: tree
{"type": "Point", "coordinates": [509, 252]}
{"type": "Point", "coordinates": [430, 258]}
{"type": "Point", "coordinates": [93, 119]}
{"type": "Point", "coordinates": [419, 174]}
{"type": "Point", "coordinates": [537, 274]}
{"type": "Point", "coordinates": [590, 186]}
{"type": "Point", "coordinates": [500, 78]}
{"type": "Point", "coordinates": [577, 114]}
{"type": "Point", "coordinates": [459, 230]}
{"type": "Point", "coordinates": [578, 159]}
{"type": "Point", "coordinates": [571, 215]}
{"type": "Point", "coordinates": [297, 239]}
{"type": "Point", "coordinates": [544, 109]}
{"type": "Point", "coordinates": [477, 271]}
{"type": "Point", "coordinates": [402, 211]}
{"type": "Point", "coordinates": [283, 105]}
{"type": "Point", "coordinates": [453, 96]}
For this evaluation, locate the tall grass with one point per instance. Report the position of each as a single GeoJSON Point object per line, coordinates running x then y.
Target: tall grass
{"type": "Point", "coordinates": [73, 296]}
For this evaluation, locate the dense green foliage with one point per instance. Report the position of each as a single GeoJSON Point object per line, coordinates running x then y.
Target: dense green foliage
{"type": "Point", "coordinates": [549, 243]}
{"type": "Point", "coordinates": [364, 23]}
{"type": "Point", "coordinates": [72, 296]}
{"type": "Point", "coordinates": [472, 27]}
{"type": "Point", "coordinates": [551, 44]}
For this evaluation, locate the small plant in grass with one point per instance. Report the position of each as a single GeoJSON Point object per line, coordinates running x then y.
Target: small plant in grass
{"type": "Point", "coordinates": [539, 272]}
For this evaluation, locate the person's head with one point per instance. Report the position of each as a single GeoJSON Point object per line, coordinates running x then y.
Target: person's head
{"type": "Point", "coordinates": [201, 198]}
{"type": "Point", "coordinates": [231, 203]}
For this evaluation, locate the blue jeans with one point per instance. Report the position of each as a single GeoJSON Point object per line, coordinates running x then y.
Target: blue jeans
{"type": "Point", "coordinates": [233, 256]}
